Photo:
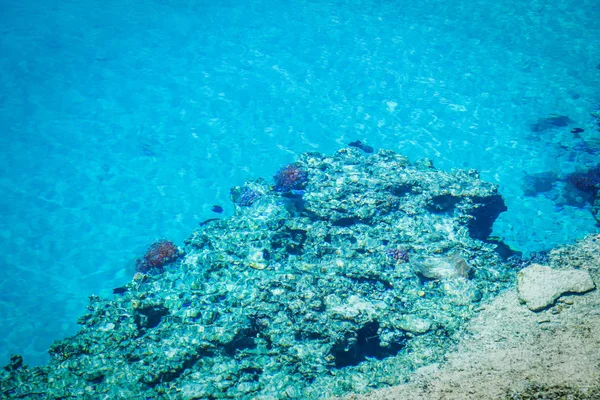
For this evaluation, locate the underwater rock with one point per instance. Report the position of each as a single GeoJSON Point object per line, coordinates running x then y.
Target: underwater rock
{"type": "Point", "coordinates": [550, 122]}
{"type": "Point", "coordinates": [414, 324]}
{"type": "Point", "coordinates": [303, 297]}
{"type": "Point", "coordinates": [348, 195]}
{"type": "Point", "coordinates": [535, 184]}
{"type": "Point", "coordinates": [437, 268]}
{"type": "Point", "coordinates": [461, 291]}
{"type": "Point", "coordinates": [539, 286]}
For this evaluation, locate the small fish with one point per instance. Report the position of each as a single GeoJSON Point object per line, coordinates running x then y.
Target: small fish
{"type": "Point", "coordinates": [217, 209]}
{"type": "Point", "coordinates": [208, 220]}
{"type": "Point", "coordinates": [266, 254]}
{"type": "Point", "coordinates": [120, 290]}
{"type": "Point", "coordinates": [147, 150]}
{"type": "Point", "coordinates": [293, 194]}
{"type": "Point", "coordinates": [362, 146]}
{"type": "Point", "coordinates": [577, 130]}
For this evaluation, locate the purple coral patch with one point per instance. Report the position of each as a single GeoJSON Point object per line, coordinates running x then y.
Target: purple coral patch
{"type": "Point", "coordinates": [398, 254]}
{"type": "Point", "coordinates": [244, 196]}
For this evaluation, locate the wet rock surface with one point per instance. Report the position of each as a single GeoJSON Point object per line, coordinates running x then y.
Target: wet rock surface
{"type": "Point", "coordinates": [297, 295]}
{"type": "Point", "coordinates": [509, 352]}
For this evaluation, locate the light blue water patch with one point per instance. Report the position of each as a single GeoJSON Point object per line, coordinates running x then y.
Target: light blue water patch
{"type": "Point", "coordinates": [124, 122]}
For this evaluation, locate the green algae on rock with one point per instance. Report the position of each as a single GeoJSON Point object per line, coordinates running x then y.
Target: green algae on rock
{"type": "Point", "coordinates": [295, 296]}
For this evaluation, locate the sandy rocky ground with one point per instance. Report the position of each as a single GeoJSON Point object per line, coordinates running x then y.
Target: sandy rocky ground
{"type": "Point", "coordinates": [511, 352]}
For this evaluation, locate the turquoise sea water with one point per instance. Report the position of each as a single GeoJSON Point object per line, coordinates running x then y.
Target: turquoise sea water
{"type": "Point", "coordinates": [124, 122]}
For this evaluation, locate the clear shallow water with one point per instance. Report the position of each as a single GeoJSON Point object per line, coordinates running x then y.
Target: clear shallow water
{"type": "Point", "coordinates": [125, 122]}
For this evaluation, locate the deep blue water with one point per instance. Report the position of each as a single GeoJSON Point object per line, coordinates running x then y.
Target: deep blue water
{"type": "Point", "coordinates": [123, 122]}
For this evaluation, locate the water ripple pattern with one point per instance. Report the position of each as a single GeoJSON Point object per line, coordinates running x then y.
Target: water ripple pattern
{"type": "Point", "coordinates": [123, 122]}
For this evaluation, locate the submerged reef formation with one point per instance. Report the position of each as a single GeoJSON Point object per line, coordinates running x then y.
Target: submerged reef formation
{"type": "Point", "coordinates": [366, 273]}
{"type": "Point", "coordinates": [587, 181]}
{"type": "Point", "coordinates": [550, 122]}
{"type": "Point", "coordinates": [578, 189]}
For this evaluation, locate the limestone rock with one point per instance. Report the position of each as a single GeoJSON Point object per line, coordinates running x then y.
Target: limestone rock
{"type": "Point", "coordinates": [539, 286]}
{"type": "Point", "coordinates": [414, 324]}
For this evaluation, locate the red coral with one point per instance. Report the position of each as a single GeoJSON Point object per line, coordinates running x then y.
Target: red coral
{"type": "Point", "coordinates": [157, 256]}
{"type": "Point", "coordinates": [290, 177]}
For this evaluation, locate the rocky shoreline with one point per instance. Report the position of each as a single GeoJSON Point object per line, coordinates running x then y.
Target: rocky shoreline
{"type": "Point", "coordinates": [510, 352]}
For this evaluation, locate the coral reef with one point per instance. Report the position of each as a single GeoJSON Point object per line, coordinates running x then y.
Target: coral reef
{"type": "Point", "coordinates": [158, 255]}
{"type": "Point", "coordinates": [290, 299]}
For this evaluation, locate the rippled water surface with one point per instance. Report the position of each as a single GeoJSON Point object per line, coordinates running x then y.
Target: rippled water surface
{"type": "Point", "coordinates": [124, 122]}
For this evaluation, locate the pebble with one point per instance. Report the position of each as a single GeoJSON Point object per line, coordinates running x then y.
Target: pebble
{"type": "Point", "coordinates": [556, 309]}
{"type": "Point", "coordinates": [542, 319]}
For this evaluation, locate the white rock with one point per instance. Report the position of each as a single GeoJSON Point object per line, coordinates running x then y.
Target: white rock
{"type": "Point", "coordinates": [414, 324]}
{"type": "Point", "coordinates": [539, 286]}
